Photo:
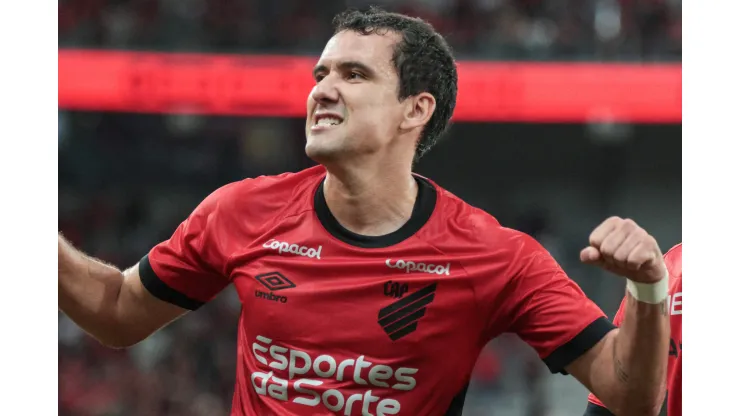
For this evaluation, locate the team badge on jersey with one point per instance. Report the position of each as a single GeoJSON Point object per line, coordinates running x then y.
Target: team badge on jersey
{"type": "Point", "coordinates": [402, 317]}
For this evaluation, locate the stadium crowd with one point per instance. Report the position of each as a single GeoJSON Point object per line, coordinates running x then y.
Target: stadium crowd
{"type": "Point", "coordinates": [645, 30]}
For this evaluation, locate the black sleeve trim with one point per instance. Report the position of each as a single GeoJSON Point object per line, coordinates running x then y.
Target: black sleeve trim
{"type": "Point", "coordinates": [568, 352]}
{"type": "Point", "coordinates": [595, 410]}
{"type": "Point", "coordinates": [160, 290]}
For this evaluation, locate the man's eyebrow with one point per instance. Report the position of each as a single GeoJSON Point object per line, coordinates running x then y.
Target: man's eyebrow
{"type": "Point", "coordinates": [344, 66]}
{"type": "Point", "coordinates": [347, 65]}
{"type": "Point", "coordinates": [319, 68]}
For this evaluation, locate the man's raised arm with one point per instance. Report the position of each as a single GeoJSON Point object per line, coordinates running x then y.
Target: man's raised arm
{"type": "Point", "coordinates": [180, 274]}
{"type": "Point", "coordinates": [627, 368]}
{"type": "Point", "coordinates": [111, 305]}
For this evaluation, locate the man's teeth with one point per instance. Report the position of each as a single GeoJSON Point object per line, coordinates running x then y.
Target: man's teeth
{"type": "Point", "coordinates": [327, 121]}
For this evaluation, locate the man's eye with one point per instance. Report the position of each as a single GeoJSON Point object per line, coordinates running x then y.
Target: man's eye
{"type": "Point", "coordinates": [355, 75]}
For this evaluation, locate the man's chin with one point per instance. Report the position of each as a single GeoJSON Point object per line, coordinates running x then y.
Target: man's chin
{"type": "Point", "coordinates": [321, 154]}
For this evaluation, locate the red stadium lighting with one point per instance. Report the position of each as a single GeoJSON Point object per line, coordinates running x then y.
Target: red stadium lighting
{"type": "Point", "coordinates": [277, 86]}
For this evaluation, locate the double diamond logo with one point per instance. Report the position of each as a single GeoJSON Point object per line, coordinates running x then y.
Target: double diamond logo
{"type": "Point", "coordinates": [275, 281]}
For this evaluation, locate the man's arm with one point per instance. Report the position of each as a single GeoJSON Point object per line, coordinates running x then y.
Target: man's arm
{"type": "Point", "coordinates": [626, 370]}
{"type": "Point", "coordinates": [594, 406]}
{"type": "Point", "coordinates": [112, 306]}
{"type": "Point", "coordinates": [177, 275]}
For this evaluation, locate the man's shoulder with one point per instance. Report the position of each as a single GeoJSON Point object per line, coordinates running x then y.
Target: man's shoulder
{"type": "Point", "coordinates": [459, 212]}
{"type": "Point", "coordinates": [674, 261]}
{"type": "Point", "coordinates": [268, 195]}
{"type": "Point", "coordinates": [478, 230]}
{"type": "Point", "coordinates": [283, 184]}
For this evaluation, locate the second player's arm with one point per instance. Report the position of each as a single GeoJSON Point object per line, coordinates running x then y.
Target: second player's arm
{"type": "Point", "coordinates": [111, 305]}
{"type": "Point", "coordinates": [626, 370]}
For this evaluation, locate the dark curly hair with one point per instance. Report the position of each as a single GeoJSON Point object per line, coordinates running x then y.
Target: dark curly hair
{"type": "Point", "coordinates": [423, 62]}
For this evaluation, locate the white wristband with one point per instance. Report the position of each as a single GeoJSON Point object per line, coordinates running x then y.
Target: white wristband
{"type": "Point", "coordinates": [652, 293]}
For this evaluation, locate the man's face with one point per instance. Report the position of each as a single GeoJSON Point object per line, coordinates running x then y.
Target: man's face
{"type": "Point", "coordinates": [353, 109]}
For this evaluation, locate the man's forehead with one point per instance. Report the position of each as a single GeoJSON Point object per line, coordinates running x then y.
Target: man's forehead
{"type": "Point", "coordinates": [375, 50]}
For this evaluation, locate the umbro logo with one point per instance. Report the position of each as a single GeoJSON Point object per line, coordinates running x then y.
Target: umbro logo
{"type": "Point", "coordinates": [401, 317]}
{"type": "Point", "coordinates": [273, 281]}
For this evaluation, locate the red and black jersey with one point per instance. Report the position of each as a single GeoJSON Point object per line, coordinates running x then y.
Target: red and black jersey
{"type": "Point", "coordinates": [338, 323]}
{"type": "Point", "coordinates": [672, 407]}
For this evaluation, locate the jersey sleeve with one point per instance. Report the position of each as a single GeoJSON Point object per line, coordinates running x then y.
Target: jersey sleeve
{"type": "Point", "coordinates": [189, 269]}
{"type": "Point", "coordinates": [550, 312]}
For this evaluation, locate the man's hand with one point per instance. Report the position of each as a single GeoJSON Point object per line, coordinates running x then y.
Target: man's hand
{"type": "Point", "coordinates": [627, 369]}
{"type": "Point", "coordinates": [624, 248]}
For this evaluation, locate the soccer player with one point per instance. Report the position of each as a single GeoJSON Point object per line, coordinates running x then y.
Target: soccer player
{"type": "Point", "coordinates": [367, 289]}
{"type": "Point", "coordinates": [672, 407]}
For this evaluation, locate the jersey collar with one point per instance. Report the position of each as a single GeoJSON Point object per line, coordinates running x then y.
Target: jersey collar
{"type": "Point", "coordinates": [426, 199]}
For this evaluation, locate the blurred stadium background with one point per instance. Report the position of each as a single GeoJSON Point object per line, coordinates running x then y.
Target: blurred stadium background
{"type": "Point", "coordinates": [135, 159]}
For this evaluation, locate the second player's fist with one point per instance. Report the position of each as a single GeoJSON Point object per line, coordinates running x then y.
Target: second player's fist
{"type": "Point", "coordinates": [624, 248]}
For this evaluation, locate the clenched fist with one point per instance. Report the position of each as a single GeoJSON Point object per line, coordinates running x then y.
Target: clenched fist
{"type": "Point", "coordinates": [624, 248]}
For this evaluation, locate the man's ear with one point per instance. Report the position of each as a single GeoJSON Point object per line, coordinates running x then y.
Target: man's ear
{"type": "Point", "coordinates": [418, 110]}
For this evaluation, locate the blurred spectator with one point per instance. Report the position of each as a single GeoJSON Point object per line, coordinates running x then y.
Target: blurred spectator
{"type": "Point", "coordinates": [494, 29]}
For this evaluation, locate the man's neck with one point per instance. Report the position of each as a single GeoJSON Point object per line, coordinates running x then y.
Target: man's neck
{"type": "Point", "coordinates": [371, 202]}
